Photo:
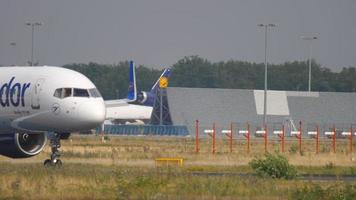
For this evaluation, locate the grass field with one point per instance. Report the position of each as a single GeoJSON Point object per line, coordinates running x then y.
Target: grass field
{"type": "Point", "coordinates": [141, 151]}
{"type": "Point", "coordinates": [124, 168]}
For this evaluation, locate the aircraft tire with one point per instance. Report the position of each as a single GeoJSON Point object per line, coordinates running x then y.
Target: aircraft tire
{"type": "Point", "coordinates": [47, 163]}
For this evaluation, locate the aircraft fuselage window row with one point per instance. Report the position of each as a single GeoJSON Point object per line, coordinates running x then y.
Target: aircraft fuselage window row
{"type": "Point", "coordinates": [76, 92]}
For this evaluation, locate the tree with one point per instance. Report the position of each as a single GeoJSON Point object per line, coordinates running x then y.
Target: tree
{"type": "Point", "coordinates": [194, 71]}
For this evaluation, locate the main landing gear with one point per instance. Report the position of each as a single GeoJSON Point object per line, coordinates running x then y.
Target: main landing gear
{"type": "Point", "coordinates": [55, 143]}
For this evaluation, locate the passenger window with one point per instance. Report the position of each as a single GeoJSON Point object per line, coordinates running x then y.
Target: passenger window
{"type": "Point", "coordinates": [80, 92]}
{"type": "Point", "coordinates": [58, 93]}
{"type": "Point", "coordinates": [67, 92]}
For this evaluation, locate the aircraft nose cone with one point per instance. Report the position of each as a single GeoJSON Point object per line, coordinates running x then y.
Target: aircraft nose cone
{"type": "Point", "coordinates": [92, 113]}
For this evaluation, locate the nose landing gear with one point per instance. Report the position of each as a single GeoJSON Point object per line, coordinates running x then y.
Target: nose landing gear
{"type": "Point", "coordinates": [55, 143]}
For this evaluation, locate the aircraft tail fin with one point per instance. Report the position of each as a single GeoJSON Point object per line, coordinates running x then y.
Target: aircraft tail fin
{"type": "Point", "coordinates": [132, 90]}
{"type": "Point", "coordinates": [166, 73]}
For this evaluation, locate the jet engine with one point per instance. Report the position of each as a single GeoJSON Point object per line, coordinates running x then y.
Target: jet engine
{"type": "Point", "coordinates": [22, 145]}
{"type": "Point", "coordinates": [145, 98]}
{"type": "Point", "coordinates": [141, 97]}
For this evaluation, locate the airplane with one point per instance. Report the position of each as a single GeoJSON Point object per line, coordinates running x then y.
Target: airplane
{"type": "Point", "coordinates": [137, 107]}
{"type": "Point", "coordinates": [132, 90]}
{"type": "Point", "coordinates": [148, 98]}
{"type": "Point", "coordinates": [45, 103]}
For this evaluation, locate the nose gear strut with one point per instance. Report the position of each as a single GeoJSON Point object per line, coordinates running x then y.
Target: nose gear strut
{"type": "Point", "coordinates": [55, 143]}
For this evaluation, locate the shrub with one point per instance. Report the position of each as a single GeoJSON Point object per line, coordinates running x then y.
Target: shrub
{"type": "Point", "coordinates": [329, 165]}
{"type": "Point", "coordinates": [274, 166]}
{"type": "Point", "coordinates": [293, 149]}
{"type": "Point", "coordinates": [106, 138]}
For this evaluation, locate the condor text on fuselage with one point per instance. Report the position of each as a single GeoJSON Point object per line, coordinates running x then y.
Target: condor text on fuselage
{"type": "Point", "coordinates": [13, 93]}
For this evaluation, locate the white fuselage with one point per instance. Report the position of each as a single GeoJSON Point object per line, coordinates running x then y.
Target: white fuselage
{"type": "Point", "coordinates": [29, 102]}
{"type": "Point", "coordinates": [121, 110]}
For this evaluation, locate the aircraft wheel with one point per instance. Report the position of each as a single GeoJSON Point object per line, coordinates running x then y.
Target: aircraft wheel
{"type": "Point", "coordinates": [47, 163]}
{"type": "Point", "coordinates": [58, 163]}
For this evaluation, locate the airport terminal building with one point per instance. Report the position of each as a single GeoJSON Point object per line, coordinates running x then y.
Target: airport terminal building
{"type": "Point", "coordinates": [226, 106]}
{"type": "Point", "coordinates": [294, 110]}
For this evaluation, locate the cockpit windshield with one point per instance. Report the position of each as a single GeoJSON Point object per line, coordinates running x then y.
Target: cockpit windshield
{"type": "Point", "coordinates": [66, 92]}
{"type": "Point", "coordinates": [94, 93]}
{"type": "Point", "coordinates": [80, 92]}
{"type": "Point", "coordinates": [76, 92]}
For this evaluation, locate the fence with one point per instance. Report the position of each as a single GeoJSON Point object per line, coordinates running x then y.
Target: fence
{"type": "Point", "coordinates": [250, 136]}
{"type": "Point", "coordinates": [144, 130]}
{"type": "Point", "coordinates": [301, 133]}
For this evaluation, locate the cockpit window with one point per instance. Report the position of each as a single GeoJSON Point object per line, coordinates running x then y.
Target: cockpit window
{"type": "Point", "coordinates": [76, 92]}
{"type": "Point", "coordinates": [67, 92]}
{"type": "Point", "coordinates": [94, 93]}
{"type": "Point", "coordinates": [80, 92]}
{"type": "Point", "coordinates": [62, 93]}
{"type": "Point", "coordinates": [58, 93]}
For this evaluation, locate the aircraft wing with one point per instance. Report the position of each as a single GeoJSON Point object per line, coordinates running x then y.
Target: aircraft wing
{"type": "Point", "coordinates": [116, 103]}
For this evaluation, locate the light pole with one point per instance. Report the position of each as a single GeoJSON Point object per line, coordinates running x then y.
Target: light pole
{"type": "Point", "coordinates": [310, 39]}
{"type": "Point", "coordinates": [13, 45]}
{"type": "Point", "coordinates": [32, 25]}
{"type": "Point", "coordinates": [266, 26]}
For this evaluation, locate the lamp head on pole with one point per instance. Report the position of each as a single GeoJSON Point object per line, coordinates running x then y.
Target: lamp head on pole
{"type": "Point", "coordinates": [266, 25]}
{"type": "Point", "coordinates": [309, 37]}
{"type": "Point", "coordinates": [33, 24]}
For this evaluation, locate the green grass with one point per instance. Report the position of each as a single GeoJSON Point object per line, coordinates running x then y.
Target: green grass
{"type": "Point", "coordinates": [336, 170]}
{"type": "Point", "coordinates": [123, 168]}
{"type": "Point", "coordinates": [79, 181]}
{"type": "Point", "coordinates": [316, 192]}
{"type": "Point", "coordinates": [326, 170]}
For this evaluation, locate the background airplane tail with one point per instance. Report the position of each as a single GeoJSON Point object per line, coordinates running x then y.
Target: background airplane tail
{"type": "Point", "coordinates": [132, 90]}
{"type": "Point", "coordinates": [142, 97]}
{"type": "Point", "coordinates": [166, 73]}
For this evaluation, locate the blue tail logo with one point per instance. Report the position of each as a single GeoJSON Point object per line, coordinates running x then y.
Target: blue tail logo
{"type": "Point", "coordinates": [166, 73]}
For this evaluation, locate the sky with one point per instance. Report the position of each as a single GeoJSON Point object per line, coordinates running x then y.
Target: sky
{"type": "Point", "coordinates": [157, 33]}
